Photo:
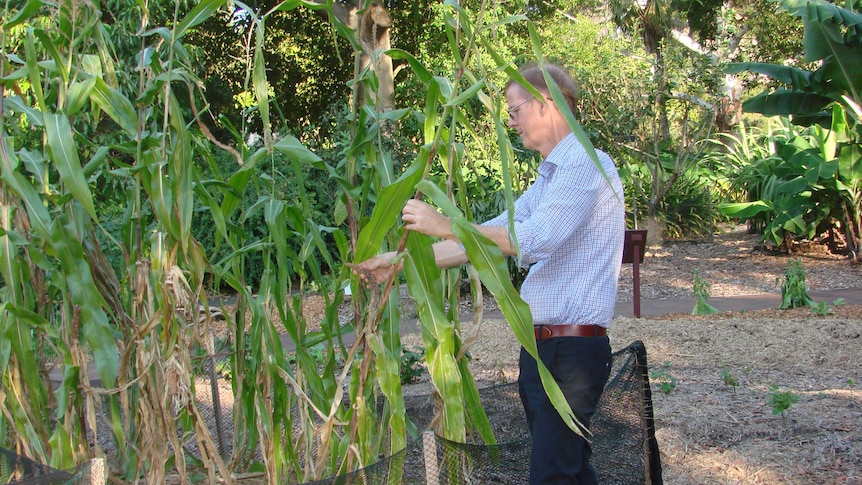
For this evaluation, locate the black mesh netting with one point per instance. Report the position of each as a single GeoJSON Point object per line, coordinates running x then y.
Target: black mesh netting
{"type": "Point", "coordinates": [624, 445]}
{"type": "Point", "coordinates": [21, 470]}
{"type": "Point", "coordinates": [625, 450]}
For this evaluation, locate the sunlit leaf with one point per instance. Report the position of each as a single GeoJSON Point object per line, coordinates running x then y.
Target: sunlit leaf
{"type": "Point", "coordinates": [199, 14]}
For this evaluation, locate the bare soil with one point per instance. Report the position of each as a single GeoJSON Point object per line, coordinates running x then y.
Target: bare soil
{"type": "Point", "coordinates": [715, 378]}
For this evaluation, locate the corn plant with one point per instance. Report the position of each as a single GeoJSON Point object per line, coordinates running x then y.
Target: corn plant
{"type": "Point", "coordinates": [78, 115]}
{"type": "Point", "coordinates": [71, 120]}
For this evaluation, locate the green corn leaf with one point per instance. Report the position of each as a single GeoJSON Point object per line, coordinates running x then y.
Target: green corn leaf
{"type": "Point", "coordinates": [86, 296]}
{"type": "Point", "coordinates": [61, 147]}
{"type": "Point", "coordinates": [387, 211]}
{"type": "Point", "coordinates": [33, 71]}
{"type": "Point", "coordinates": [199, 14]}
{"type": "Point", "coordinates": [505, 152]}
{"type": "Point", "coordinates": [496, 25]}
{"type": "Point", "coordinates": [288, 5]}
{"type": "Point", "coordinates": [703, 308]}
{"type": "Point", "coordinates": [423, 74]}
{"type": "Point", "coordinates": [15, 103]}
{"type": "Point", "coordinates": [160, 191]}
{"type": "Point", "coordinates": [423, 282]}
{"type": "Point", "coordinates": [260, 84]}
{"type": "Point", "coordinates": [295, 150]}
{"type": "Point", "coordinates": [181, 173]}
{"type": "Point", "coordinates": [488, 261]}
{"type": "Point", "coordinates": [117, 106]}
{"type": "Point", "coordinates": [40, 219]}
{"type": "Point", "coordinates": [18, 342]}
{"type": "Point", "coordinates": [78, 96]}
{"type": "Point", "coordinates": [62, 447]}
{"type": "Point", "coordinates": [432, 101]}
{"type": "Point", "coordinates": [31, 318]}
{"type": "Point", "coordinates": [51, 48]}
{"type": "Point", "coordinates": [473, 405]}
{"type": "Point", "coordinates": [388, 374]}
{"type": "Point", "coordinates": [238, 183]}
{"type": "Point", "coordinates": [31, 7]}
{"type": "Point", "coordinates": [209, 202]}
{"type": "Point", "coordinates": [467, 94]}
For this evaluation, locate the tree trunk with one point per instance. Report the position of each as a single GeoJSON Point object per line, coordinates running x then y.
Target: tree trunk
{"type": "Point", "coordinates": [371, 23]}
{"type": "Point", "coordinates": [374, 27]}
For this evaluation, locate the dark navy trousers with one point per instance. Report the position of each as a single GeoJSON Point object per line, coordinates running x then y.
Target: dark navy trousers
{"type": "Point", "coordinates": [581, 366]}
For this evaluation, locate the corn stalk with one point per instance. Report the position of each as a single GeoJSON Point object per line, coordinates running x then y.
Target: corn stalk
{"type": "Point", "coordinates": [76, 116]}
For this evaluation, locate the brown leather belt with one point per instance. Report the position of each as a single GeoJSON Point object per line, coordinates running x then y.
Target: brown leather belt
{"type": "Point", "coordinates": [550, 331]}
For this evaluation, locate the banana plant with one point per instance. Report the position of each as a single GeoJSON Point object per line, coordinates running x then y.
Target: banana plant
{"type": "Point", "coordinates": [833, 35]}
{"type": "Point", "coordinates": [825, 165]}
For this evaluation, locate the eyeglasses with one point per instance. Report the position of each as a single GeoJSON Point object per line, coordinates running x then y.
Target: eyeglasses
{"type": "Point", "coordinates": [513, 112]}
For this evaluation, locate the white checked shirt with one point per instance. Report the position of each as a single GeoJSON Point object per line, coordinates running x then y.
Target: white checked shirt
{"type": "Point", "coordinates": [570, 225]}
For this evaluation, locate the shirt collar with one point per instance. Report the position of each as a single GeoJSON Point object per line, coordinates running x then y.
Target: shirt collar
{"type": "Point", "coordinates": [560, 155]}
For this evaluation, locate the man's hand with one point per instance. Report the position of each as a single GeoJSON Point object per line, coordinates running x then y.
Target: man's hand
{"type": "Point", "coordinates": [421, 217]}
{"type": "Point", "coordinates": [377, 268]}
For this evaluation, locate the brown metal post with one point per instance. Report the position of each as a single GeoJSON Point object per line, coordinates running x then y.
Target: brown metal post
{"type": "Point", "coordinates": [633, 252]}
{"type": "Point", "coordinates": [636, 282]}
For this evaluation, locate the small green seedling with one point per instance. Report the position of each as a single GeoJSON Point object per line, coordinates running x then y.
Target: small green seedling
{"type": "Point", "coordinates": [729, 379]}
{"type": "Point", "coordinates": [701, 291]}
{"type": "Point", "coordinates": [780, 401]}
{"type": "Point", "coordinates": [666, 382]}
{"type": "Point", "coordinates": [821, 309]}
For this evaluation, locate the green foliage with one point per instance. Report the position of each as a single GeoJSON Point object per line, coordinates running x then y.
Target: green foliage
{"type": "Point", "coordinates": [411, 369]}
{"type": "Point", "coordinates": [279, 178]}
{"type": "Point", "coordinates": [800, 190]}
{"type": "Point", "coordinates": [832, 35]}
{"type": "Point", "coordinates": [817, 186]}
{"type": "Point", "coordinates": [688, 208]}
{"type": "Point", "coordinates": [666, 381]}
{"type": "Point", "coordinates": [126, 205]}
{"type": "Point", "coordinates": [778, 37]}
{"type": "Point", "coordinates": [794, 290]}
{"type": "Point", "coordinates": [701, 291]}
{"type": "Point", "coordinates": [780, 401]}
{"type": "Point", "coordinates": [821, 309]}
{"type": "Point", "coordinates": [729, 379]}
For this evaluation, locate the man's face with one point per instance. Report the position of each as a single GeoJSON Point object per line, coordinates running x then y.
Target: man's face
{"type": "Point", "coordinates": [523, 111]}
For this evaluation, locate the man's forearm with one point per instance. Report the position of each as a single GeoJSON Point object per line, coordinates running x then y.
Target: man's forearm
{"type": "Point", "coordinates": [499, 235]}
{"type": "Point", "coordinates": [448, 253]}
